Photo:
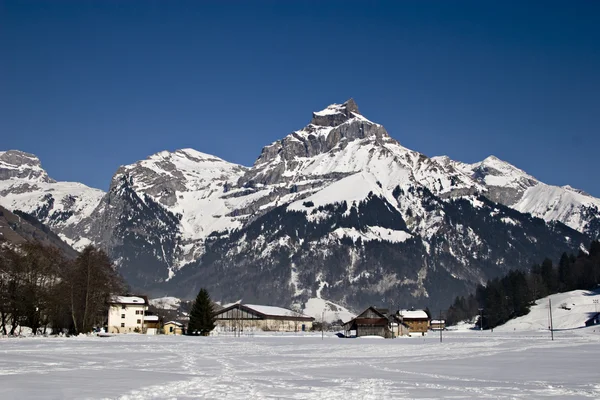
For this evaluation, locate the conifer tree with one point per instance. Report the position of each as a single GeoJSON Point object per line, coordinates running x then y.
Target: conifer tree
{"type": "Point", "coordinates": [202, 319]}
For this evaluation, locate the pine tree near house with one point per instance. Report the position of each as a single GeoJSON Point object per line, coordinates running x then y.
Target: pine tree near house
{"type": "Point", "coordinates": [202, 319]}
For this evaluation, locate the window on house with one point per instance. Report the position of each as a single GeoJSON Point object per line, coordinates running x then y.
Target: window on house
{"type": "Point", "coordinates": [122, 315]}
{"type": "Point", "coordinates": [137, 312]}
{"type": "Point", "coordinates": [139, 321]}
{"type": "Point", "coordinates": [122, 324]}
{"type": "Point", "coordinates": [170, 329]}
{"type": "Point", "coordinates": [123, 307]}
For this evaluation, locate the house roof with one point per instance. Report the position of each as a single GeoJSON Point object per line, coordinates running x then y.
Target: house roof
{"type": "Point", "coordinates": [382, 318]}
{"type": "Point", "coordinates": [413, 314]}
{"type": "Point", "coordinates": [150, 318]}
{"type": "Point", "coordinates": [174, 323]}
{"type": "Point", "coordinates": [269, 312]}
{"type": "Point", "coordinates": [141, 300]}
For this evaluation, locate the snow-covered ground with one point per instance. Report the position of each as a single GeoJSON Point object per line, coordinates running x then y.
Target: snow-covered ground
{"type": "Point", "coordinates": [515, 365]}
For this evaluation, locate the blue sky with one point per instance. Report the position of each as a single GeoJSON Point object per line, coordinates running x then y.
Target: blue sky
{"type": "Point", "coordinates": [88, 86]}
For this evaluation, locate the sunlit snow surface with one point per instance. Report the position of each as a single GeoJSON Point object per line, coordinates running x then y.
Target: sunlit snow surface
{"type": "Point", "coordinates": [514, 365]}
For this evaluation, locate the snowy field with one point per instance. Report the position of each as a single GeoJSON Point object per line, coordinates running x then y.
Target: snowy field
{"type": "Point", "coordinates": [499, 365]}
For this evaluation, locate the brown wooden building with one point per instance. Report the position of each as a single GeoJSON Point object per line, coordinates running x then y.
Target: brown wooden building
{"type": "Point", "coordinates": [375, 322]}
{"type": "Point", "coordinates": [417, 320]}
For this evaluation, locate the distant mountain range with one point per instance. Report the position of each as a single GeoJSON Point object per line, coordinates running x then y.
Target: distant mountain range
{"type": "Point", "coordinates": [337, 210]}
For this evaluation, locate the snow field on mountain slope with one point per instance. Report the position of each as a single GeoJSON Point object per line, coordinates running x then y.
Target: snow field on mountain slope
{"type": "Point", "coordinates": [555, 203]}
{"type": "Point", "coordinates": [17, 195]}
{"type": "Point", "coordinates": [277, 366]}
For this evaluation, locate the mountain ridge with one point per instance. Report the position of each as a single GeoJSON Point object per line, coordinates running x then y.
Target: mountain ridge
{"type": "Point", "coordinates": [163, 218]}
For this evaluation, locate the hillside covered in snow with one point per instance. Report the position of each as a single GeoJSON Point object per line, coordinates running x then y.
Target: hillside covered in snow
{"type": "Point", "coordinates": [570, 310]}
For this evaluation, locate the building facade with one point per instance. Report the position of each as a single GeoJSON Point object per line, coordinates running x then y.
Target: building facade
{"type": "Point", "coordinates": [126, 314]}
{"type": "Point", "coordinates": [248, 317]}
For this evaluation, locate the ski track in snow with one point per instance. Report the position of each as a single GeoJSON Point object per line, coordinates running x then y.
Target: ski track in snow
{"type": "Point", "coordinates": [512, 365]}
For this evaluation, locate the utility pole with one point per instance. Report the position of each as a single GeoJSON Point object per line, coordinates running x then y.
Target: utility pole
{"type": "Point", "coordinates": [440, 326]}
{"type": "Point", "coordinates": [322, 323]}
{"type": "Point", "coordinates": [481, 319]}
{"type": "Point", "coordinates": [551, 326]}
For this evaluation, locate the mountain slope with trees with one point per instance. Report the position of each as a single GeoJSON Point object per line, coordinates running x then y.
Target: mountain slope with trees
{"type": "Point", "coordinates": [511, 296]}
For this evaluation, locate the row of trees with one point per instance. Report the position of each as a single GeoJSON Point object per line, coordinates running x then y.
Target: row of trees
{"type": "Point", "coordinates": [509, 297]}
{"type": "Point", "coordinates": [42, 290]}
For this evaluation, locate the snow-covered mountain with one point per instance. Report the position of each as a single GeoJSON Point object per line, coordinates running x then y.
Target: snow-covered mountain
{"type": "Point", "coordinates": [337, 211]}
{"type": "Point", "coordinates": [26, 186]}
{"type": "Point", "coordinates": [158, 212]}
{"type": "Point", "coordinates": [515, 188]}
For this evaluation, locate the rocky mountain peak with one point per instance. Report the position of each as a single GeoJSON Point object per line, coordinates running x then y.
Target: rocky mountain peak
{"type": "Point", "coordinates": [335, 114]}
{"type": "Point", "coordinates": [21, 165]}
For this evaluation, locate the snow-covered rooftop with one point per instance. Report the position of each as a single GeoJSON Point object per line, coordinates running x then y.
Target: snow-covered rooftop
{"type": "Point", "coordinates": [128, 300]}
{"type": "Point", "coordinates": [150, 318]}
{"type": "Point", "coordinates": [174, 323]}
{"type": "Point", "coordinates": [410, 314]}
{"type": "Point", "coordinates": [275, 311]}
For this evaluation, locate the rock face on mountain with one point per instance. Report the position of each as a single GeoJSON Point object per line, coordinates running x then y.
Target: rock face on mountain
{"type": "Point", "coordinates": [18, 228]}
{"type": "Point", "coordinates": [338, 209]}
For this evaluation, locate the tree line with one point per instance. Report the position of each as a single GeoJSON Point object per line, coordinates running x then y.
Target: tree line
{"type": "Point", "coordinates": [43, 290]}
{"type": "Point", "coordinates": [511, 296]}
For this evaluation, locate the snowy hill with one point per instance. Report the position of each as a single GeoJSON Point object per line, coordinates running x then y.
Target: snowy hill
{"type": "Point", "coordinates": [570, 310]}
{"type": "Point", "coordinates": [321, 309]}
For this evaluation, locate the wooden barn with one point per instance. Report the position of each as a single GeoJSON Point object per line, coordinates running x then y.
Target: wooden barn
{"type": "Point", "coordinates": [239, 317]}
{"type": "Point", "coordinates": [417, 320]}
{"type": "Point", "coordinates": [375, 322]}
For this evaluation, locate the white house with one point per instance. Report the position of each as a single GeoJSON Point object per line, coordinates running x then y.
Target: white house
{"type": "Point", "coordinates": [126, 314]}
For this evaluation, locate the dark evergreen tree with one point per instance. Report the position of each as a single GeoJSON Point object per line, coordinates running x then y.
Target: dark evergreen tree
{"type": "Point", "coordinates": [549, 276]}
{"type": "Point", "coordinates": [202, 319]}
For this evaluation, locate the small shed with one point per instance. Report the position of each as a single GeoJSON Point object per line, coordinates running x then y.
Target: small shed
{"type": "Point", "coordinates": [151, 324]}
{"type": "Point", "coordinates": [375, 322]}
{"type": "Point", "coordinates": [173, 328]}
{"type": "Point", "coordinates": [437, 324]}
{"type": "Point", "coordinates": [595, 320]}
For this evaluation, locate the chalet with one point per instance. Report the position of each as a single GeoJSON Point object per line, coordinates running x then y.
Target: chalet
{"type": "Point", "coordinates": [239, 317]}
{"type": "Point", "coordinates": [173, 328]}
{"type": "Point", "coordinates": [417, 320]}
{"type": "Point", "coordinates": [126, 314]}
{"type": "Point", "coordinates": [375, 322]}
